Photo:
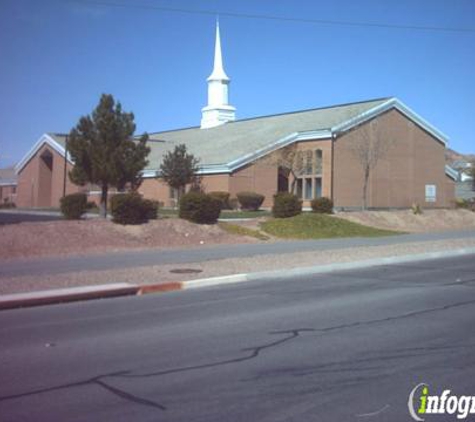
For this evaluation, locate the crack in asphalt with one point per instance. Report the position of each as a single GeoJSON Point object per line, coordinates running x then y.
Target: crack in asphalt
{"type": "Point", "coordinates": [253, 352]}
{"type": "Point", "coordinates": [99, 380]}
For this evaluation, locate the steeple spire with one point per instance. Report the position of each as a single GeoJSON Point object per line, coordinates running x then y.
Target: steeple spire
{"type": "Point", "coordinates": [218, 111]}
{"type": "Point", "coordinates": [218, 70]}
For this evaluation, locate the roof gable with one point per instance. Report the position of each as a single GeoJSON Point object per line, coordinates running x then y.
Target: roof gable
{"type": "Point", "coordinates": [55, 141]}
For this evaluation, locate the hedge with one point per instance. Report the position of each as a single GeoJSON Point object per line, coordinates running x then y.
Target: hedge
{"type": "Point", "coordinates": [223, 197]}
{"type": "Point", "coordinates": [286, 205]}
{"type": "Point", "coordinates": [130, 208]}
{"type": "Point", "coordinates": [73, 206]}
{"type": "Point", "coordinates": [322, 205]}
{"type": "Point", "coordinates": [200, 208]}
{"type": "Point", "coordinates": [250, 201]}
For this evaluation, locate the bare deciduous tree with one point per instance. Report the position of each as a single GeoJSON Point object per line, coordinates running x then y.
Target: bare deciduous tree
{"type": "Point", "coordinates": [289, 160]}
{"type": "Point", "coordinates": [369, 146]}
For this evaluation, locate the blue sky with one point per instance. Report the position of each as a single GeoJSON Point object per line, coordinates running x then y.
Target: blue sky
{"type": "Point", "coordinates": [58, 56]}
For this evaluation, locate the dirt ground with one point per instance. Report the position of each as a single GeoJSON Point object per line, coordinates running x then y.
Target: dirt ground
{"type": "Point", "coordinates": [58, 238]}
{"type": "Point", "coordinates": [96, 235]}
{"type": "Point", "coordinates": [407, 221]}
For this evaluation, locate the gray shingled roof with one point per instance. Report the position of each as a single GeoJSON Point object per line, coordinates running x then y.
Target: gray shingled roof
{"type": "Point", "coordinates": [226, 143]}
{"type": "Point", "coordinates": [223, 144]}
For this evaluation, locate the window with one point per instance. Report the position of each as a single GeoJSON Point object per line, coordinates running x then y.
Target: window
{"type": "Point", "coordinates": [309, 184]}
{"type": "Point", "coordinates": [299, 188]}
{"type": "Point", "coordinates": [308, 162]}
{"type": "Point", "coordinates": [308, 188]}
{"type": "Point", "coordinates": [318, 187]}
{"type": "Point", "coordinates": [318, 161]}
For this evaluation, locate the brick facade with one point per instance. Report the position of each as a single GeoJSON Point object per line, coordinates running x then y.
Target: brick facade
{"type": "Point", "coordinates": [413, 166]}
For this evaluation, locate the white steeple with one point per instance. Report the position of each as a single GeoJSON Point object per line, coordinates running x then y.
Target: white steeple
{"type": "Point", "coordinates": [218, 111]}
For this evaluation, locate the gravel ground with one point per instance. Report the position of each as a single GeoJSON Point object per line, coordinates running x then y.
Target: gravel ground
{"type": "Point", "coordinates": [159, 274]}
{"type": "Point", "coordinates": [60, 238]}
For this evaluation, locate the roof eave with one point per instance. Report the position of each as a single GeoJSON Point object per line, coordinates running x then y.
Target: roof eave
{"type": "Point", "coordinates": [44, 139]}
{"type": "Point", "coordinates": [392, 103]}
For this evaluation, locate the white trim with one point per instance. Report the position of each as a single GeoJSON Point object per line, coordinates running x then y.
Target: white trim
{"type": "Point", "coordinates": [44, 139]}
{"type": "Point", "coordinates": [232, 166]}
{"type": "Point", "coordinates": [401, 107]}
{"type": "Point", "coordinates": [452, 173]}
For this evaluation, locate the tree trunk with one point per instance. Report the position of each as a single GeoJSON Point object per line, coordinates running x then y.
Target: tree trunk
{"type": "Point", "coordinates": [365, 188]}
{"type": "Point", "coordinates": [103, 205]}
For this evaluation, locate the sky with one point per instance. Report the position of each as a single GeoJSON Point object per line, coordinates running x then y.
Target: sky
{"type": "Point", "coordinates": [58, 56]}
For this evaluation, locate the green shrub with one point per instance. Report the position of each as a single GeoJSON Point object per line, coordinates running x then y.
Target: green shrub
{"type": "Point", "coordinates": [416, 209]}
{"type": "Point", "coordinates": [91, 205]}
{"type": "Point", "coordinates": [150, 209]}
{"type": "Point", "coordinates": [130, 208]}
{"type": "Point", "coordinates": [250, 201]}
{"type": "Point", "coordinates": [233, 204]}
{"type": "Point", "coordinates": [322, 205]}
{"type": "Point", "coordinates": [286, 205]}
{"type": "Point", "coordinates": [7, 204]}
{"type": "Point", "coordinates": [199, 208]}
{"type": "Point", "coordinates": [223, 197]}
{"type": "Point", "coordinates": [73, 206]}
{"type": "Point", "coordinates": [462, 203]}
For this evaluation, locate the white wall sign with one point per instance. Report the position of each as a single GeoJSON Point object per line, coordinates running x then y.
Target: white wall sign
{"type": "Point", "coordinates": [431, 193]}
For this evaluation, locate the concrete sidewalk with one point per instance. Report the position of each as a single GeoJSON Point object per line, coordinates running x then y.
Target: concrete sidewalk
{"type": "Point", "coordinates": [262, 272]}
{"type": "Point", "coordinates": [134, 259]}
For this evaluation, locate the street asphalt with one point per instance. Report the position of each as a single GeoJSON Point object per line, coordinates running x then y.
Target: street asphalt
{"type": "Point", "coordinates": [13, 217]}
{"type": "Point", "coordinates": [344, 346]}
{"type": "Point", "coordinates": [140, 258]}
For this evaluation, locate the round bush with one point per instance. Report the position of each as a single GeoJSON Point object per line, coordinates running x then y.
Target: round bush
{"type": "Point", "coordinates": [286, 205]}
{"type": "Point", "coordinates": [150, 209]}
{"type": "Point", "coordinates": [129, 208]}
{"type": "Point", "coordinates": [199, 208]}
{"type": "Point", "coordinates": [73, 206]}
{"type": "Point", "coordinates": [250, 201]}
{"type": "Point", "coordinates": [322, 205]}
{"type": "Point", "coordinates": [223, 197]}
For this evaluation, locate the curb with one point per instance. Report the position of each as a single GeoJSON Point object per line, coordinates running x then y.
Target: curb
{"type": "Point", "coordinates": [322, 269]}
{"type": "Point", "coordinates": [49, 297]}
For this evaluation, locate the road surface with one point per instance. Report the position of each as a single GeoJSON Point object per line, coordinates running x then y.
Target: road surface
{"type": "Point", "coordinates": [346, 346]}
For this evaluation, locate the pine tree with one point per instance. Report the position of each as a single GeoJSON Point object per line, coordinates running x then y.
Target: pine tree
{"type": "Point", "coordinates": [104, 152]}
{"type": "Point", "coordinates": [179, 168]}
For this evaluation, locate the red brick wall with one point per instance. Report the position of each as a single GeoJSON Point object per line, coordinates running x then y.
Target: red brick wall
{"type": "Point", "coordinates": [415, 159]}
{"type": "Point", "coordinates": [40, 187]}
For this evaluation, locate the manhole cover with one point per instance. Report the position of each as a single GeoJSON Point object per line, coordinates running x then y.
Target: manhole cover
{"type": "Point", "coordinates": [185, 271]}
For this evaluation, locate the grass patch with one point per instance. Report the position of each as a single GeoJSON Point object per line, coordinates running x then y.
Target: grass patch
{"type": "Point", "coordinates": [225, 214]}
{"type": "Point", "coordinates": [244, 214]}
{"type": "Point", "coordinates": [319, 226]}
{"type": "Point", "coordinates": [242, 231]}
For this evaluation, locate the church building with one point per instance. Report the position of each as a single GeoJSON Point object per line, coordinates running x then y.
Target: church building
{"type": "Point", "coordinates": [329, 146]}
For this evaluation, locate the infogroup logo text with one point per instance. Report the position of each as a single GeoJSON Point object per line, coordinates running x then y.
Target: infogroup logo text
{"type": "Point", "coordinates": [421, 403]}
